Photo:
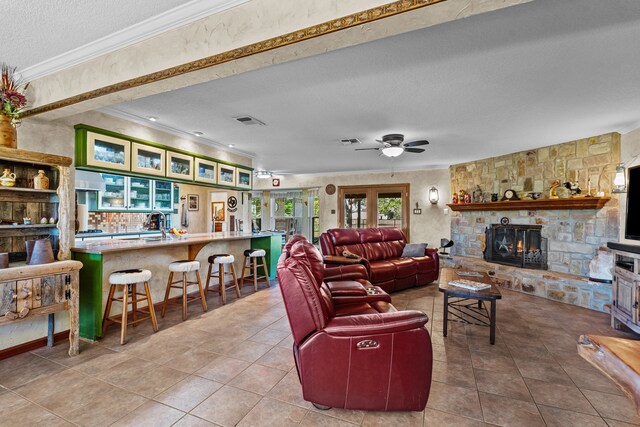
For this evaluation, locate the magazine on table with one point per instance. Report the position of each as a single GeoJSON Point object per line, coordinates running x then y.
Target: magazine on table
{"type": "Point", "coordinates": [469, 274]}
{"type": "Point", "coordinates": [470, 284]}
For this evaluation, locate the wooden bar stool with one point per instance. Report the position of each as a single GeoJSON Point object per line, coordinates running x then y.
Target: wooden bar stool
{"type": "Point", "coordinates": [221, 260]}
{"type": "Point", "coordinates": [125, 281]}
{"type": "Point", "coordinates": [251, 262]}
{"type": "Point", "coordinates": [184, 267]}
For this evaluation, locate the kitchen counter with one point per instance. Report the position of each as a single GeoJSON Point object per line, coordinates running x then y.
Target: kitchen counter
{"type": "Point", "coordinates": [87, 236]}
{"type": "Point", "coordinates": [194, 240]}
{"type": "Point", "coordinates": [101, 257]}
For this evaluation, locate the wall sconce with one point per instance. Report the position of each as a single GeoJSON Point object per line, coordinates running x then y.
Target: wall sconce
{"type": "Point", "coordinates": [620, 180]}
{"type": "Point", "coordinates": [433, 195]}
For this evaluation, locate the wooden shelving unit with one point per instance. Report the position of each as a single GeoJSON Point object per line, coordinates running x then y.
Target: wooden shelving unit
{"type": "Point", "coordinates": [540, 204]}
{"type": "Point", "coordinates": [27, 190]}
{"type": "Point", "coordinates": [9, 225]}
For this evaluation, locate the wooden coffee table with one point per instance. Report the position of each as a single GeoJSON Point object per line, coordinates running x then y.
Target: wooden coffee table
{"type": "Point", "coordinates": [459, 307]}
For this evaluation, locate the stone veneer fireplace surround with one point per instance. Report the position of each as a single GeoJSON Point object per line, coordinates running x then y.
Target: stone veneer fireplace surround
{"type": "Point", "coordinates": [517, 245]}
{"type": "Point", "coordinates": [574, 235]}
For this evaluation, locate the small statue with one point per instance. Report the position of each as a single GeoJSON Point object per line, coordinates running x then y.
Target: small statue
{"type": "Point", "coordinates": [477, 195]}
{"type": "Point", "coordinates": [467, 198]}
{"type": "Point", "coordinates": [574, 188]}
{"type": "Point", "coordinates": [454, 199]}
{"type": "Point", "coordinates": [552, 190]}
{"type": "Point", "coordinates": [494, 197]}
{"type": "Point", "coordinates": [461, 196]}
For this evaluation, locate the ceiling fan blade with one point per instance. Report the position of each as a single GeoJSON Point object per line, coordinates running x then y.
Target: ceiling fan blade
{"type": "Point", "coordinates": [414, 150]}
{"type": "Point", "coordinates": [365, 149]}
{"type": "Point", "coordinates": [416, 143]}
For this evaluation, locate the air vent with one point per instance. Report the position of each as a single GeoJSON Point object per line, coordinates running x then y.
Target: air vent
{"type": "Point", "coordinates": [350, 141]}
{"type": "Point", "coordinates": [248, 120]}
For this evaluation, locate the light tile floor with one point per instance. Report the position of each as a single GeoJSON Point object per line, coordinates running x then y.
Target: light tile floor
{"type": "Point", "coordinates": [233, 365]}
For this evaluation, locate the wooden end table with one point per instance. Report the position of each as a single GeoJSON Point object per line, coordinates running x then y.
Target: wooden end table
{"type": "Point", "coordinates": [471, 313]}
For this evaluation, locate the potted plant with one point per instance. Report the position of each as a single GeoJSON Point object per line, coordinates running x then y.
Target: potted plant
{"type": "Point", "coordinates": [12, 101]}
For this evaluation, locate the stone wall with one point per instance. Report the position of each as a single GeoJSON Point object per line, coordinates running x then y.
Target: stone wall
{"type": "Point", "coordinates": [574, 235]}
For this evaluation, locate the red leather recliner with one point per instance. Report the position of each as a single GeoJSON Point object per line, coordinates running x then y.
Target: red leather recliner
{"type": "Point", "coordinates": [381, 252]}
{"type": "Point", "coordinates": [372, 358]}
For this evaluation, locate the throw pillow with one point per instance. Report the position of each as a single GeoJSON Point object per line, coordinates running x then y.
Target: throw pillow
{"type": "Point", "coordinates": [414, 249]}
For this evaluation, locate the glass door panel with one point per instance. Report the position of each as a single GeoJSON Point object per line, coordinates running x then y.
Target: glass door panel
{"type": "Point", "coordinates": [108, 152]}
{"type": "Point", "coordinates": [389, 209]}
{"type": "Point", "coordinates": [114, 196]}
{"type": "Point", "coordinates": [355, 210]}
{"type": "Point", "coordinates": [162, 196]}
{"type": "Point", "coordinates": [139, 194]}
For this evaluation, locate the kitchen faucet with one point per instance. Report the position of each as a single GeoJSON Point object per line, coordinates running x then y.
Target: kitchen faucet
{"type": "Point", "coordinates": [147, 223]}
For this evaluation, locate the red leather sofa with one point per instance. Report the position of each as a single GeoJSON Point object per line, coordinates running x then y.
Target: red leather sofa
{"type": "Point", "coordinates": [380, 250]}
{"type": "Point", "coordinates": [356, 354]}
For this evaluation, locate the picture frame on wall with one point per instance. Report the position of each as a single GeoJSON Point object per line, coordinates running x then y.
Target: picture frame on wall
{"type": "Point", "coordinates": [243, 178]}
{"type": "Point", "coordinates": [226, 175]}
{"type": "Point", "coordinates": [193, 202]}
{"type": "Point", "coordinates": [217, 212]}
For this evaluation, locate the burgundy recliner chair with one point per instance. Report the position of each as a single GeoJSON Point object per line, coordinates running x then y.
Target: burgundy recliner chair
{"type": "Point", "coordinates": [381, 360]}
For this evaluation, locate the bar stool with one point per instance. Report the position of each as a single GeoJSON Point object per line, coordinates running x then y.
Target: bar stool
{"type": "Point", "coordinates": [184, 267]}
{"type": "Point", "coordinates": [221, 260]}
{"type": "Point", "coordinates": [251, 262]}
{"type": "Point", "coordinates": [125, 281]}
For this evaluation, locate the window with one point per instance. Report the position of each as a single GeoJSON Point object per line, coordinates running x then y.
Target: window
{"type": "Point", "coordinates": [374, 206]}
{"type": "Point", "coordinates": [256, 210]}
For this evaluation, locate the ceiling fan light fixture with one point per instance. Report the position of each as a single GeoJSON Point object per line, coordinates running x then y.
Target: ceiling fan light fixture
{"type": "Point", "coordinates": [393, 151]}
{"type": "Point", "coordinates": [263, 174]}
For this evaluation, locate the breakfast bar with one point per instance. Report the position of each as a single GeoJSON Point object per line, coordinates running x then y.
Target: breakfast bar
{"type": "Point", "coordinates": [155, 253]}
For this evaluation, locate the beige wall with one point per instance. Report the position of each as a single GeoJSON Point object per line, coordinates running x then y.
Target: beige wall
{"type": "Point", "coordinates": [429, 227]}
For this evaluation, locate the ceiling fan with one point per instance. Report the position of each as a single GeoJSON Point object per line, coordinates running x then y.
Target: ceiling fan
{"type": "Point", "coordinates": [392, 145]}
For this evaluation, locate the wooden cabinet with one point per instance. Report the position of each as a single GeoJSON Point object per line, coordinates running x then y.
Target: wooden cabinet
{"type": "Point", "coordinates": [107, 152]}
{"type": "Point", "coordinates": [34, 290]}
{"type": "Point", "coordinates": [626, 290]}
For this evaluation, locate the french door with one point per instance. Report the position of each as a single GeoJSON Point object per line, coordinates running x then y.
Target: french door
{"type": "Point", "coordinates": [363, 206]}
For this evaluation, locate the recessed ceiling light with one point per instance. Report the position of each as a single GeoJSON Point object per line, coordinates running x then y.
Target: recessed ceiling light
{"type": "Point", "coordinates": [152, 118]}
{"type": "Point", "coordinates": [231, 145]}
{"type": "Point", "coordinates": [197, 133]}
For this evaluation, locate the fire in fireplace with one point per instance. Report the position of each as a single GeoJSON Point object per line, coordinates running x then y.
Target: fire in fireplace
{"type": "Point", "coordinates": [517, 245]}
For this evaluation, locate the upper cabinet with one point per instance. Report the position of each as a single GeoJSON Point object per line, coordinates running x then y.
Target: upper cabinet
{"type": "Point", "coordinates": [179, 166]}
{"type": "Point", "coordinates": [243, 178]}
{"type": "Point", "coordinates": [206, 171]}
{"type": "Point", "coordinates": [107, 152]}
{"type": "Point", "coordinates": [148, 160]}
{"type": "Point", "coordinates": [104, 151]}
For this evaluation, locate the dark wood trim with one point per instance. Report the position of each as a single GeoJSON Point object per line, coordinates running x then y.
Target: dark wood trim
{"type": "Point", "coordinates": [540, 204]}
{"type": "Point", "coordinates": [32, 345]}
{"type": "Point", "coordinates": [25, 156]}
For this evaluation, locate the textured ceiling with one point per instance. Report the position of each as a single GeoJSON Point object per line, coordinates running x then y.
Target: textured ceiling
{"type": "Point", "coordinates": [522, 77]}
{"type": "Point", "coordinates": [38, 30]}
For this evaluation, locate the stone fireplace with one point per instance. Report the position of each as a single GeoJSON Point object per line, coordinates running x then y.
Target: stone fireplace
{"type": "Point", "coordinates": [517, 245]}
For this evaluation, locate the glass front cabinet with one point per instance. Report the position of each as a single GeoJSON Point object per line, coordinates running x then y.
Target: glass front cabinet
{"type": "Point", "coordinates": [108, 152]}
{"type": "Point", "coordinates": [163, 196]}
{"type": "Point", "coordinates": [135, 194]}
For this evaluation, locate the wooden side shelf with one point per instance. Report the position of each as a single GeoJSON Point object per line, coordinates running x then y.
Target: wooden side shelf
{"type": "Point", "coordinates": [27, 190]}
{"type": "Point", "coordinates": [540, 204]}
{"type": "Point", "coordinates": [8, 226]}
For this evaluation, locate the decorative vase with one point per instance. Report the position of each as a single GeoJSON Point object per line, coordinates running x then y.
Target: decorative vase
{"type": "Point", "coordinates": [40, 181]}
{"type": "Point", "coordinates": [8, 178]}
{"type": "Point", "coordinates": [8, 136]}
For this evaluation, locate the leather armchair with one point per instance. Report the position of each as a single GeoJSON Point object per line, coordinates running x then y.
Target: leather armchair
{"type": "Point", "coordinates": [368, 358]}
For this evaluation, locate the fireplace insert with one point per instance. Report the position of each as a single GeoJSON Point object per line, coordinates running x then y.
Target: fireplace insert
{"type": "Point", "coordinates": [518, 245]}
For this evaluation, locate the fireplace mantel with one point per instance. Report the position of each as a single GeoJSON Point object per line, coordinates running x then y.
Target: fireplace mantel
{"type": "Point", "coordinates": [540, 204]}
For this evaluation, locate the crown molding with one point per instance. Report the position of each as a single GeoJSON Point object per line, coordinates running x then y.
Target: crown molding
{"type": "Point", "coordinates": [112, 111]}
{"type": "Point", "coordinates": [166, 21]}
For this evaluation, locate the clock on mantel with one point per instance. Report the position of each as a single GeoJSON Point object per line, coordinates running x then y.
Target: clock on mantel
{"type": "Point", "coordinates": [539, 204]}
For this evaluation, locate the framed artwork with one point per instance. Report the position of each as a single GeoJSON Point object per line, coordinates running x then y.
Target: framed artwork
{"type": "Point", "coordinates": [243, 178]}
{"type": "Point", "coordinates": [108, 152]}
{"type": "Point", "coordinates": [179, 166]}
{"type": "Point", "coordinates": [226, 175]}
{"type": "Point", "coordinates": [147, 159]}
{"type": "Point", "coordinates": [206, 171]}
{"type": "Point", "coordinates": [217, 211]}
{"type": "Point", "coordinates": [193, 201]}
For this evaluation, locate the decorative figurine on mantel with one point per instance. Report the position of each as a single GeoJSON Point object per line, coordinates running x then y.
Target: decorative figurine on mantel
{"type": "Point", "coordinates": [40, 181]}
{"type": "Point", "coordinates": [477, 195]}
{"type": "Point", "coordinates": [8, 178]}
{"type": "Point", "coordinates": [573, 187]}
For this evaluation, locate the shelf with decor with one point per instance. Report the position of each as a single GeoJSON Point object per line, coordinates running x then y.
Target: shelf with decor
{"type": "Point", "coordinates": [539, 204]}
{"type": "Point", "coordinates": [27, 190]}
